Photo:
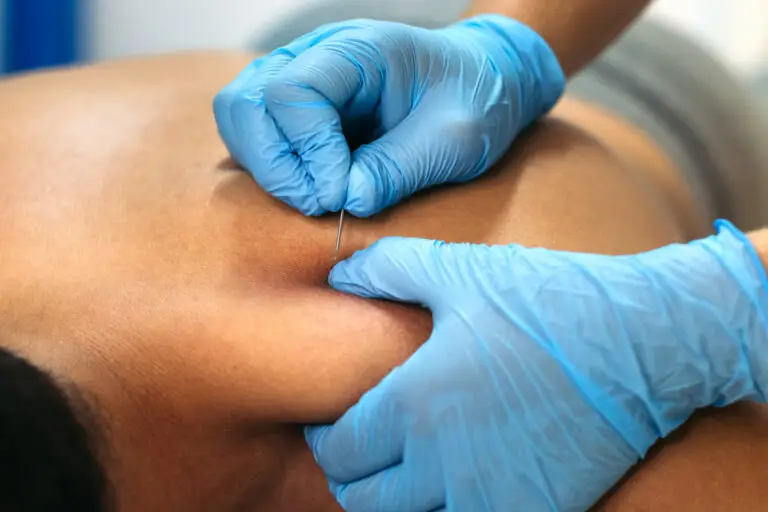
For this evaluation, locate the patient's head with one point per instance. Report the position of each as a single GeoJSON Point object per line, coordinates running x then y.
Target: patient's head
{"type": "Point", "coordinates": [48, 443]}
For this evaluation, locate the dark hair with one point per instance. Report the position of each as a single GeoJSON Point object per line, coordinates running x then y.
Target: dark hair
{"type": "Point", "coordinates": [48, 461]}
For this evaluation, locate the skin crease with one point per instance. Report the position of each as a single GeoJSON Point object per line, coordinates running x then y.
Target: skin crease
{"type": "Point", "coordinates": [140, 264]}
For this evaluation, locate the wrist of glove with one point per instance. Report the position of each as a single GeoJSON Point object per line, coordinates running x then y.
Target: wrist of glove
{"type": "Point", "coordinates": [719, 290]}
{"type": "Point", "coordinates": [688, 329]}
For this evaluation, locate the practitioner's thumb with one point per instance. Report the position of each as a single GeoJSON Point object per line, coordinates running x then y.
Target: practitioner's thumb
{"type": "Point", "coordinates": [398, 269]}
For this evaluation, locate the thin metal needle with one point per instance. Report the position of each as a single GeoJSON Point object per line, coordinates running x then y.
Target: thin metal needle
{"type": "Point", "coordinates": [338, 235]}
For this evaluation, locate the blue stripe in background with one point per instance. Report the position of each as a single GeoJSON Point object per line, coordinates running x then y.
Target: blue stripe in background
{"type": "Point", "coordinates": [40, 33]}
{"type": "Point", "coordinates": [3, 36]}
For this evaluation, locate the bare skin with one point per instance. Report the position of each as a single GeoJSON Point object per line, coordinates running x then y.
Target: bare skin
{"type": "Point", "coordinates": [760, 241]}
{"type": "Point", "coordinates": [142, 265]}
{"type": "Point", "coordinates": [576, 31]}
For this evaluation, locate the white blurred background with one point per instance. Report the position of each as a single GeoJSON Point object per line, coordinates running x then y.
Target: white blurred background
{"type": "Point", "coordinates": [735, 29]}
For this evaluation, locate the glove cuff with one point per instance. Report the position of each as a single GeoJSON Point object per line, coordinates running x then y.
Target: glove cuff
{"type": "Point", "coordinates": [691, 328]}
{"type": "Point", "coordinates": [742, 262]}
{"type": "Point", "coordinates": [718, 289]}
{"type": "Point", "coordinates": [535, 66]}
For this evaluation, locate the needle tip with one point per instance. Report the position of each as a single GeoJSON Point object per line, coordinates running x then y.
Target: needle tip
{"type": "Point", "coordinates": [338, 236]}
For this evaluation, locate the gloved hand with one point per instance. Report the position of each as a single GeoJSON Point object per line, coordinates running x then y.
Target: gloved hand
{"type": "Point", "coordinates": [548, 374]}
{"type": "Point", "coordinates": [429, 107]}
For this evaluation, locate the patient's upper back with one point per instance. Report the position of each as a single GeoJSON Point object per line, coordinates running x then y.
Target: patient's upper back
{"type": "Point", "coordinates": [141, 264]}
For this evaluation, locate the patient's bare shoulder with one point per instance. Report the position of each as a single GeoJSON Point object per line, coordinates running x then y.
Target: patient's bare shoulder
{"type": "Point", "coordinates": [715, 462]}
{"type": "Point", "coordinates": [206, 69]}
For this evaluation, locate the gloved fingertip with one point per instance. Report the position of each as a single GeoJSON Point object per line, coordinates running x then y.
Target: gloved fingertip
{"type": "Point", "coordinates": [332, 182]}
{"type": "Point", "coordinates": [327, 164]}
{"type": "Point", "coordinates": [313, 435]}
{"type": "Point", "coordinates": [362, 193]}
{"type": "Point", "coordinates": [309, 206]}
{"type": "Point", "coordinates": [337, 489]}
{"type": "Point", "coordinates": [358, 209]}
{"type": "Point", "coordinates": [337, 276]}
{"type": "Point", "coordinates": [331, 197]}
{"type": "Point", "coordinates": [335, 204]}
{"type": "Point", "coordinates": [384, 271]}
{"type": "Point", "coordinates": [344, 278]}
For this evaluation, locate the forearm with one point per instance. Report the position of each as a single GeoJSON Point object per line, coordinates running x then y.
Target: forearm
{"type": "Point", "coordinates": [760, 240]}
{"type": "Point", "coordinates": [577, 30]}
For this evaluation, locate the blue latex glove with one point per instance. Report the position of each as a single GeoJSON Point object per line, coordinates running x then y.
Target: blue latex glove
{"type": "Point", "coordinates": [548, 374]}
{"type": "Point", "coordinates": [429, 107]}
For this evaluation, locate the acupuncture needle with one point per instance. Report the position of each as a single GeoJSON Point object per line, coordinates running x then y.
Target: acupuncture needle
{"type": "Point", "coordinates": [338, 236]}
